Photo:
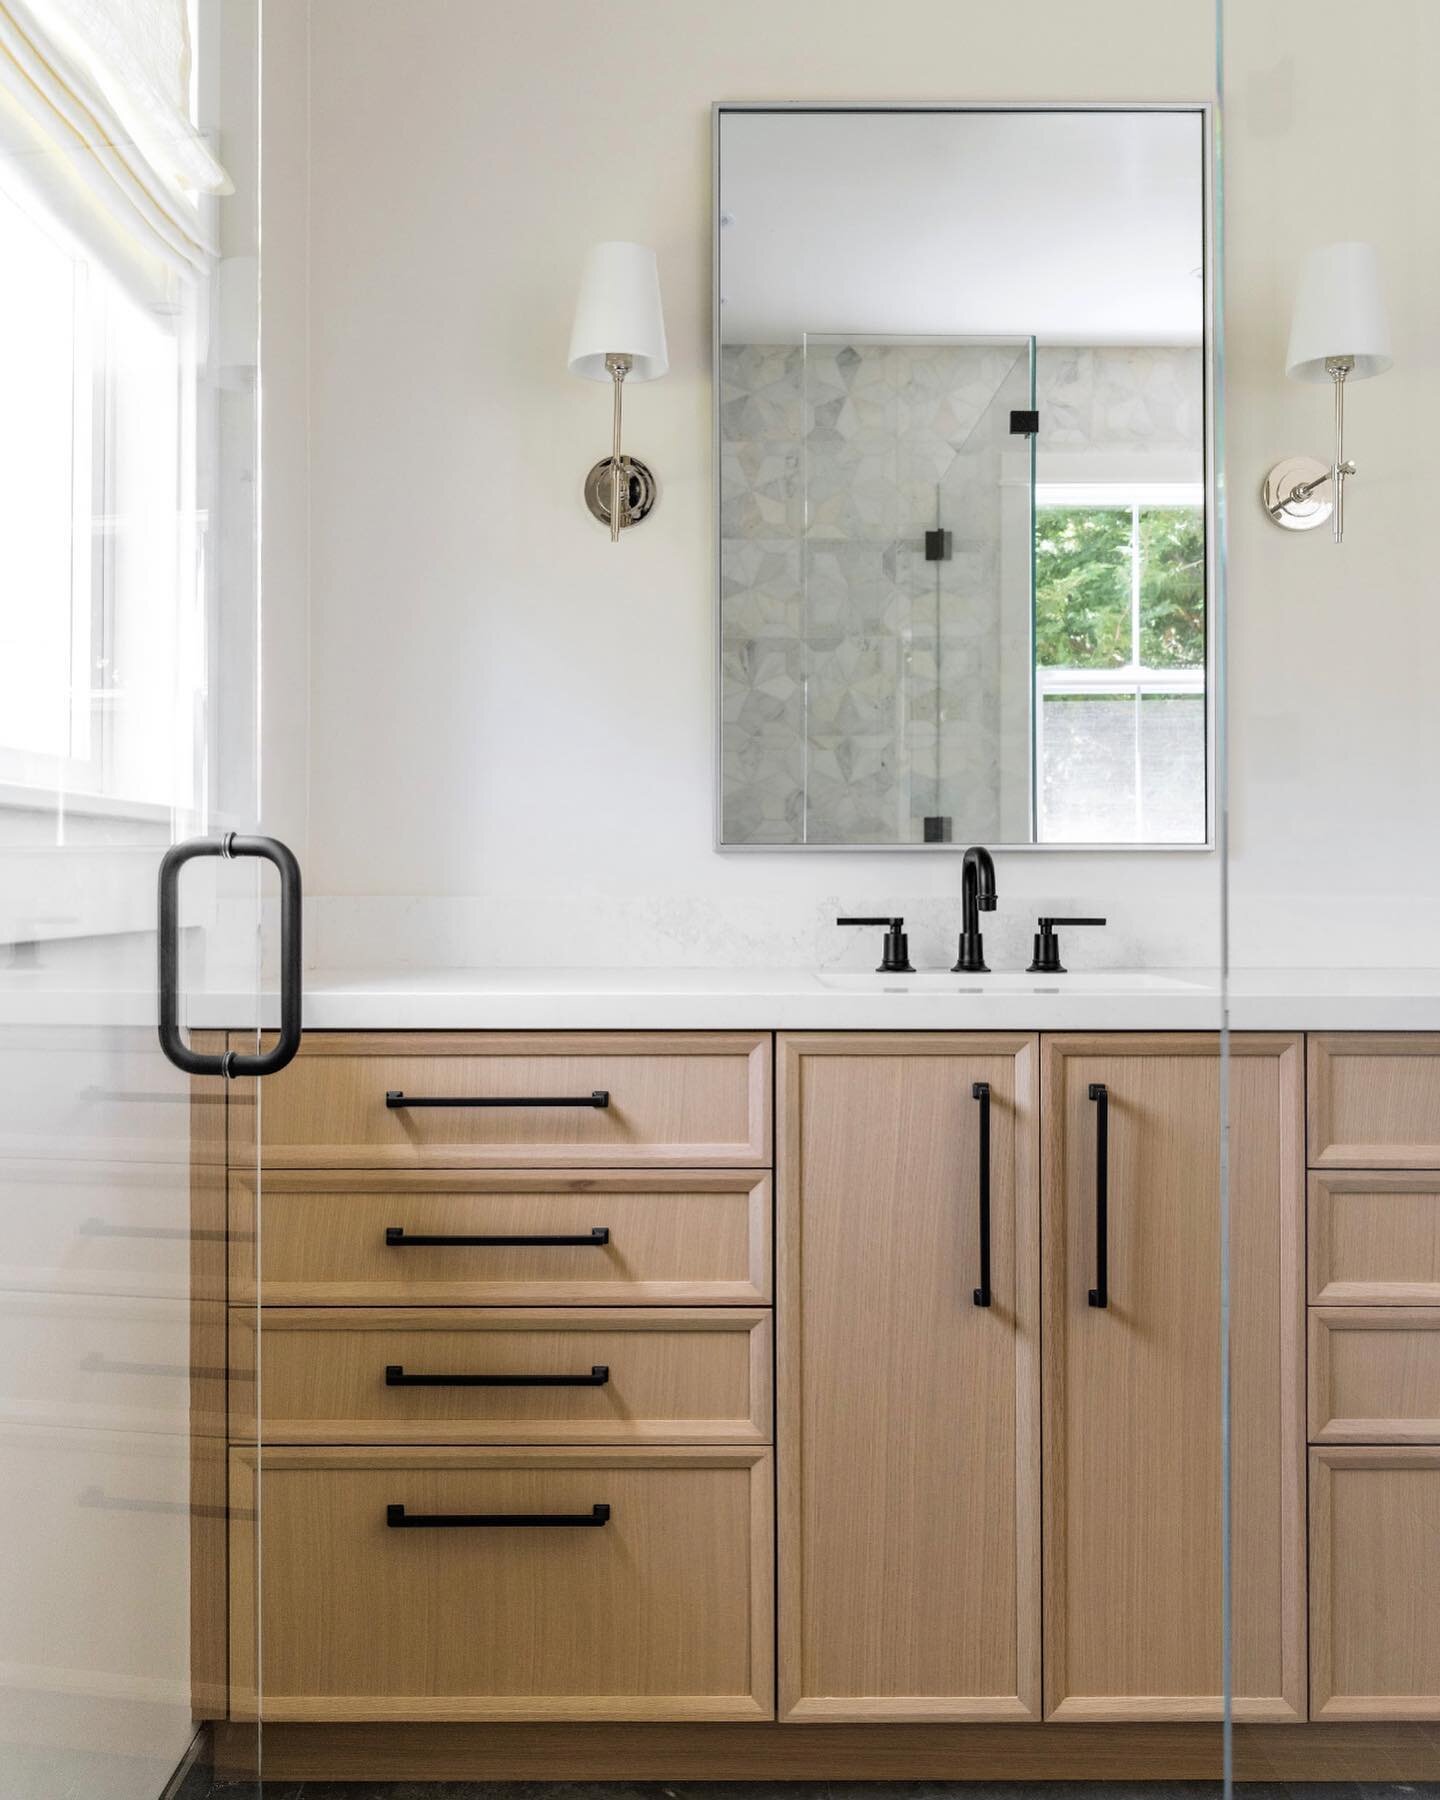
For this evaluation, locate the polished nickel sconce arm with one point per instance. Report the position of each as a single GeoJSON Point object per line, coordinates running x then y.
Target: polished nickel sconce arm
{"type": "Point", "coordinates": [620, 490]}
{"type": "Point", "coordinates": [1291, 486]}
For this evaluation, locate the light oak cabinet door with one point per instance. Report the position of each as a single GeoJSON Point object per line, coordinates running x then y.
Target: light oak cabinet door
{"type": "Point", "coordinates": [1374, 1574]}
{"type": "Point", "coordinates": [908, 1430]}
{"type": "Point", "coordinates": [1132, 1388]}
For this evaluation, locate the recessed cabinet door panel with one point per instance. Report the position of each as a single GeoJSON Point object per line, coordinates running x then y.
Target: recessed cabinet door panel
{"type": "Point", "coordinates": [1375, 1239]}
{"type": "Point", "coordinates": [1374, 1573]}
{"type": "Point", "coordinates": [488, 1100]}
{"type": "Point", "coordinates": [1375, 1375]}
{"type": "Point", "coordinates": [416, 1584]}
{"type": "Point", "coordinates": [1132, 1406]}
{"type": "Point", "coordinates": [908, 1415]}
{"type": "Point", "coordinates": [1374, 1100]}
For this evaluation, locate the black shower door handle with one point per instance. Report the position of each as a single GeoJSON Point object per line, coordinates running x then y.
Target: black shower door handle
{"type": "Point", "coordinates": [231, 1063]}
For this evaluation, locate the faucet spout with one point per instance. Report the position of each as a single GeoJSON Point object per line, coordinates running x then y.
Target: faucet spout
{"type": "Point", "coordinates": [977, 895]}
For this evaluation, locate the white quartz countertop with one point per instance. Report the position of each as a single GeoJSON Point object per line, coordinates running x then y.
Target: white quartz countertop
{"type": "Point", "coordinates": [806, 1000]}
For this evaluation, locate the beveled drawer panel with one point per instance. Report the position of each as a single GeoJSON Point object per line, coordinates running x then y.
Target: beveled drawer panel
{"type": "Point", "coordinates": [329, 1238]}
{"type": "Point", "coordinates": [452, 1375]}
{"type": "Point", "coordinates": [355, 1100]}
{"type": "Point", "coordinates": [1375, 1375]}
{"type": "Point", "coordinates": [655, 1606]}
{"type": "Point", "coordinates": [1375, 1239]}
{"type": "Point", "coordinates": [1374, 1568]}
{"type": "Point", "coordinates": [1374, 1100]}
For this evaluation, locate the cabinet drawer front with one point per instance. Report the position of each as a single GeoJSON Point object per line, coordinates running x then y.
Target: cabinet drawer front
{"type": "Point", "coordinates": [1374, 1100]}
{"type": "Point", "coordinates": [1375, 1375]}
{"type": "Point", "coordinates": [1375, 1240]}
{"type": "Point", "coordinates": [1374, 1565]}
{"type": "Point", "coordinates": [660, 1610]}
{"type": "Point", "coordinates": [329, 1239]}
{"type": "Point", "coordinates": [333, 1375]}
{"type": "Point", "coordinates": [511, 1100]}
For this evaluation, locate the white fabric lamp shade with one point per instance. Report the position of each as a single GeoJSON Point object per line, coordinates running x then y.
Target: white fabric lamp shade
{"type": "Point", "coordinates": [1339, 311]}
{"type": "Point", "coordinates": [618, 314]}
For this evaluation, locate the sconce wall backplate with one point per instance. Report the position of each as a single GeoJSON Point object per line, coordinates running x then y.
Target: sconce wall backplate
{"type": "Point", "coordinates": [1288, 474]}
{"type": "Point", "coordinates": [640, 497]}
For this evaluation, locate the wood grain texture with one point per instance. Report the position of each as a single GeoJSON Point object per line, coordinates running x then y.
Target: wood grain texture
{"type": "Point", "coordinates": [677, 1100]}
{"type": "Point", "coordinates": [682, 1239]}
{"type": "Point", "coordinates": [908, 1421]}
{"type": "Point", "coordinates": [208, 1448]}
{"type": "Point", "coordinates": [836, 1753]}
{"type": "Point", "coordinates": [1374, 1375]}
{"type": "Point", "coordinates": [663, 1613]}
{"type": "Point", "coordinates": [676, 1375]}
{"type": "Point", "coordinates": [1374, 1574]}
{"type": "Point", "coordinates": [1374, 1100]}
{"type": "Point", "coordinates": [1375, 1239]}
{"type": "Point", "coordinates": [1132, 1401]}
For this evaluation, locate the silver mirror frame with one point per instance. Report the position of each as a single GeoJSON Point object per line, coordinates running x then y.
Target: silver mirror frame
{"type": "Point", "coordinates": [1212, 197]}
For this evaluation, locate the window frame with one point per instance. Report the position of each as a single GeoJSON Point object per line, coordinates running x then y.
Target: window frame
{"type": "Point", "coordinates": [1134, 678]}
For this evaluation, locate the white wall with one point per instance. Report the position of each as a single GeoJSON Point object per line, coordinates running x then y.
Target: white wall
{"type": "Point", "coordinates": [1335, 653]}
{"type": "Point", "coordinates": [510, 743]}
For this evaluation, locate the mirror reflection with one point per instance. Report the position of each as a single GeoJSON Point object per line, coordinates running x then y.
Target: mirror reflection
{"type": "Point", "coordinates": [962, 477]}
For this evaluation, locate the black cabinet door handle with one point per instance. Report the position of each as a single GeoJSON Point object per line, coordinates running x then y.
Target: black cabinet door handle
{"type": "Point", "coordinates": [398, 1519]}
{"type": "Point", "coordinates": [395, 1376]}
{"type": "Point", "coordinates": [1100, 1293]}
{"type": "Point", "coordinates": [230, 1063]}
{"type": "Point", "coordinates": [396, 1099]}
{"type": "Point", "coordinates": [397, 1238]}
{"type": "Point", "coordinates": [981, 1092]}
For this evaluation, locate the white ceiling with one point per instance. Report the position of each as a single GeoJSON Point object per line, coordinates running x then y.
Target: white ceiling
{"type": "Point", "coordinates": [1081, 228]}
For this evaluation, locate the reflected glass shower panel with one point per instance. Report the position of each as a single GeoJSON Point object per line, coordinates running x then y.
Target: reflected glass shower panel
{"type": "Point", "coordinates": [915, 571]}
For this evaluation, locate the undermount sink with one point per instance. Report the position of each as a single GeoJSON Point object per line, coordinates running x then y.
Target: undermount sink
{"type": "Point", "coordinates": [1009, 981]}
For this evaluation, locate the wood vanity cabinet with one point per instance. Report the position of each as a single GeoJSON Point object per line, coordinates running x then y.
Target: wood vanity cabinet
{"type": "Point", "coordinates": [1132, 1387]}
{"type": "Point", "coordinates": [910, 1459]}
{"type": "Point", "coordinates": [996, 1458]}
{"type": "Point", "coordinates": [914, 1424]}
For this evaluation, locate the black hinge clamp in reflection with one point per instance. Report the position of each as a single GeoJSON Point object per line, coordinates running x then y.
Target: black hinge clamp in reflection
{"type": "Point", "coordinates": [1024, 424]}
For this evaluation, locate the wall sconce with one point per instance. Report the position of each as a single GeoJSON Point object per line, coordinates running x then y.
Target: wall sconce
{"type": "Point", "coordinates": [619, 335]}
{"type": "Point", "coordinates": [1339, 333]}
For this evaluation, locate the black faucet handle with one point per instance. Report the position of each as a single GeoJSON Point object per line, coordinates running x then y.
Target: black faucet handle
{"type": "Point", "coordinates": [1047, 945]}
{"type": "Point", "coordinates": [895, 959]}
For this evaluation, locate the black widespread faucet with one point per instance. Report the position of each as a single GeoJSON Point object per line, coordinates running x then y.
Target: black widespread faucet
{"type": "Point", "coordinates": [977, 893]}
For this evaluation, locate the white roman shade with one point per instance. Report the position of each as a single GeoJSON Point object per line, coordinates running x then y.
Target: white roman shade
{"type": "Point", "coordinates": [94, 123]}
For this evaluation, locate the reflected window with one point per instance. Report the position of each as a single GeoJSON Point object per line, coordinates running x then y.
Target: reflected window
{"type": "Point", "coordinates": [1120, 741]}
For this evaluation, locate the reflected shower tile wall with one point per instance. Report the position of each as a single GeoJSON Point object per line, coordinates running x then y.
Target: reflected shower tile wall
{"type": "Point", "coordinates": [1120, 399]}
{"type": "Point", "coordinates": [819, 614]}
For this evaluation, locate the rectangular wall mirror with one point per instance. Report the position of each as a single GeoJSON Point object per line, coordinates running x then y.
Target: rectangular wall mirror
{"type": "Point", "coordinates": [963, 477]}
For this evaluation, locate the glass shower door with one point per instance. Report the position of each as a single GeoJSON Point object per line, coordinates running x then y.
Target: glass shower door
{"type": "Point", "coordinates": [975, 627]}
{"type": "Point", "coordinates": [129, 488]}
{"type": "Point", "coordinates": [916, 577]}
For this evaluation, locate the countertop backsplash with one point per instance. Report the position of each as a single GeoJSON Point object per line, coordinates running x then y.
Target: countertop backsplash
{"type": "Point", "coordinates": [768, 931]}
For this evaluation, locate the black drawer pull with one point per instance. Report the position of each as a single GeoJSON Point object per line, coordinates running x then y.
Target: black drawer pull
{"type": "Point", "coordinates": [981, 1092]}
{"type": "Point", "coordinates": [398, 1238]}
{"type": "Point", "coordinates": [398, 1519]}
{"type": "Point", "coordinates": [395, 1376]}
{"type": "Point", "coordinates": [1100, 1293]}
{"type": "Point", "coordinates": [396, 1098]}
